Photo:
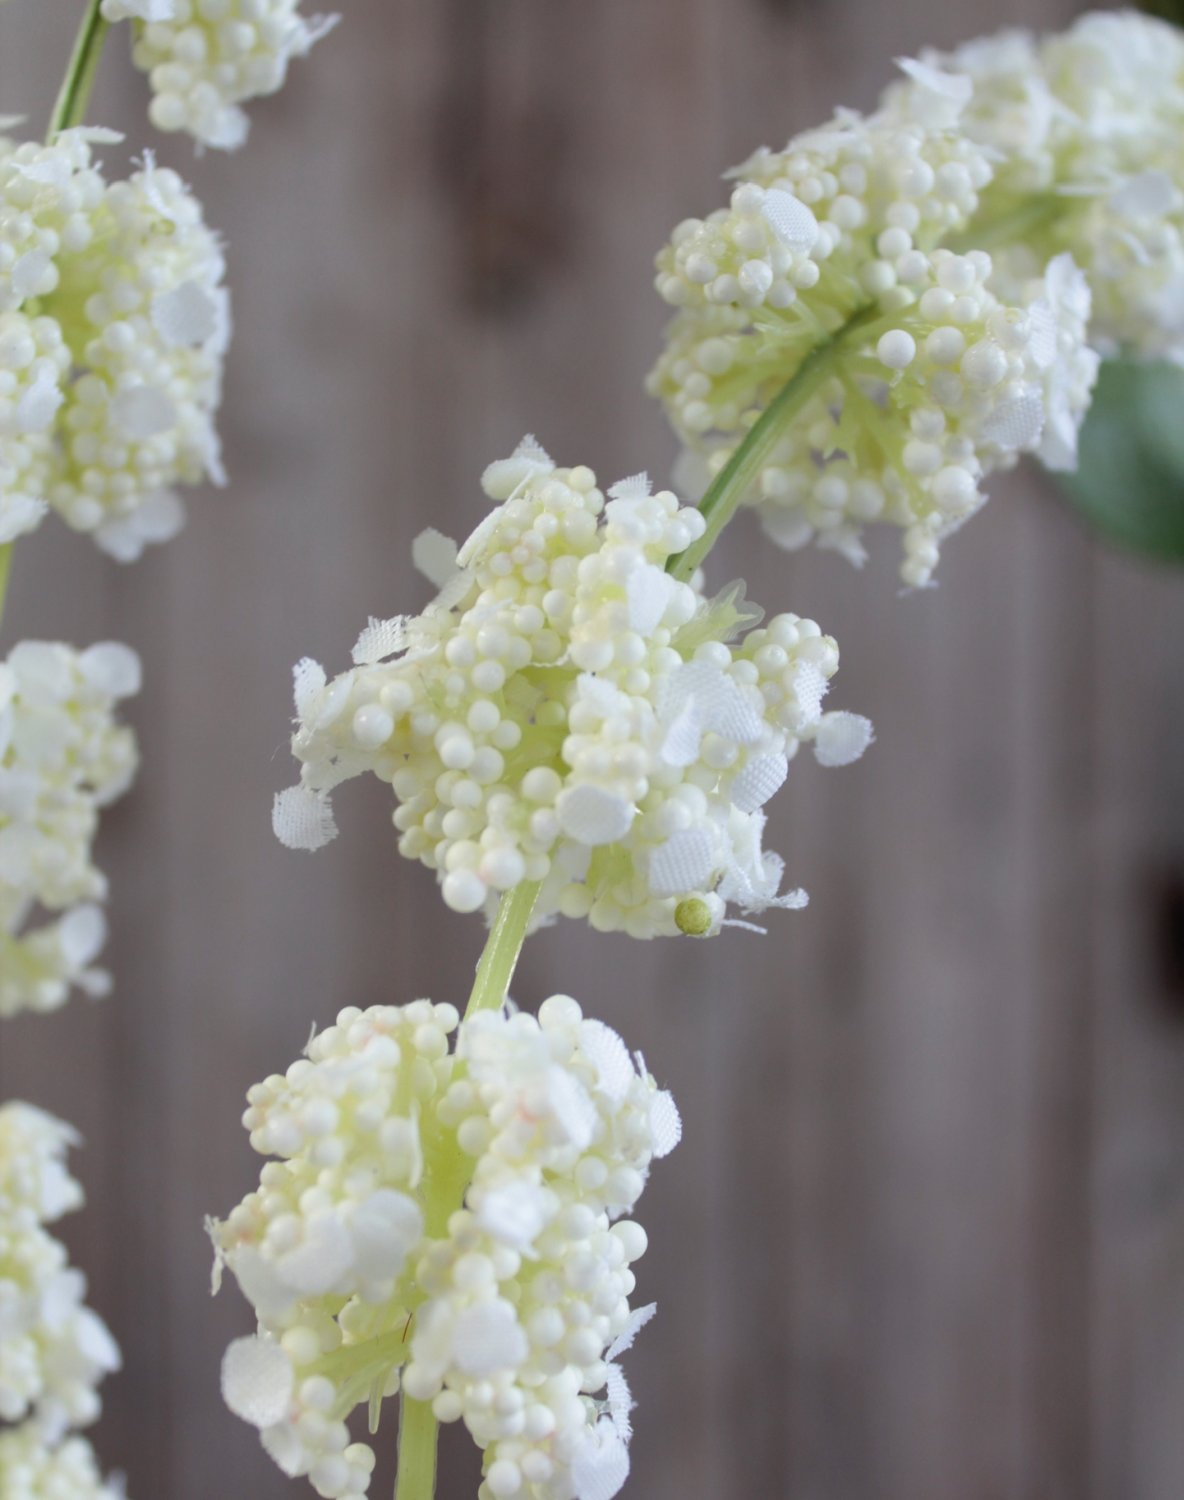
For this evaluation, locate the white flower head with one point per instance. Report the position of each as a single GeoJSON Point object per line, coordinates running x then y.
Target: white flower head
{"type": "Point", "coordinates": [63, 757]}
{"type": "Point", "coordinates": [369, 1273]}
{"type": "Point", "coordinates": [1083, 128]}
{"type": "Point", "coordinates": [32, 1467]}
{"type": "Point", "coordinates": [566, 712]}
{"type": "Point", "coordinates": [54, 1349]}
{"type": "Point", "coordinates": [205, 61]}
{"type": "Point", "coordinates": [113, 328]}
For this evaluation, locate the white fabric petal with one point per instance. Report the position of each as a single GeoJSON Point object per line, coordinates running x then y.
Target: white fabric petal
{"type": "Point", "coordinates": [257, 1381]}
{"type": "Point", "coordinates": [792, 220]}
{"type": "Point", "coordinates": [380, 639]}
{"type": "Point", "coordinates": [593, 816]}
{"type": "Point", "coordinates": [842, 738]}
{"type": "Point", "coordinates": [608, 1054]}
{"type": "Point", "coordinates": [683, 863]}
{"type": "Point", "coordinates": [758, 781]}
{"type": "Point", "coordinates": [434, 555]}
{"type": "Point", "coordinates": [303, 819]}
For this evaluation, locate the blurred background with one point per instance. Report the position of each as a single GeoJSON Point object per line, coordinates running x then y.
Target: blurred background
{"type": "Point", "coordinates": [924, 1237]}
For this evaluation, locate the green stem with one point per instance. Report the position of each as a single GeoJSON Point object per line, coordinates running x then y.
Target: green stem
{"type": "Point", "coordinates": [733, 481]}
{"type": "Point", "coordinates": [446, 1172]}
{"type": "Point", "coordinates": [5, 570]}
{"type": "Point", "coordinates": [417, 1450]}
{"type": "Point", "coordinates": [74, 93]}
{"type": "Point", "coordinates": [498, 961]}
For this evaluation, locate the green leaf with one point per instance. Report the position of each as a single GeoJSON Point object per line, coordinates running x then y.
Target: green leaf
{"type": "Point", "coordinates": [1130, 479]}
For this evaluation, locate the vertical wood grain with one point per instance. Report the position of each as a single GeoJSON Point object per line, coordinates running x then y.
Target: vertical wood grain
{"type": "Point", "coordinates": [925, 1234]}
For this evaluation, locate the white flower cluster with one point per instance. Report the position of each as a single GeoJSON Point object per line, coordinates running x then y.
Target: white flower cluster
{"type": "Point", "coordinates": [53, 1349]}
{"type": "Point", "coordinates": [31, 1469]}
{"type": "Point", "coordinates": [826, 262]}
{"type": "Point", "coordinates": [448, 1224]}
{"type": "Point", "coordinates": [62, 758]}
{"type": "Point", "coordinates": [113, 326]}
{"type": "Point", "coordinates": [1084, 130]}
{"type": "Point", "coordinates": [566, 712]}
{"type": "Point", "coordinates": [205, 58]}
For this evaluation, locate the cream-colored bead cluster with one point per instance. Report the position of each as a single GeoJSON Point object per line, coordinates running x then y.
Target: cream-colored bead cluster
{"type": "Point", "coordinates": [937, 382]}
{"type": "Point", "coordinates": [32, 1469]}
{"type": "Point", "coordinates": [915, 418]}
{"type": "Point", "coordinates": [63, 757]}
{"type": "Point", "coordinates": [111, 346]}
{"type": "Point", "coordinates": [568, 713]}
{"type": "Point", "coordinates": [206, 58]}
{"type": "Point", "coordinates": [54, 1349]}
{"type": "Point", "coordinates": [1084, 129]}
{"type": "Point", "coordinates": [448, 1223]}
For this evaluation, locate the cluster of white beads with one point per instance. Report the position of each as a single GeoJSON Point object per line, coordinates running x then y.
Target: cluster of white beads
{"type": "Point", "coordinates": [62, 758]}
{"type": "Point", "coordinates": [937, 382]}
{"type": "Point", "coordinates": [568, 713]}
{"type": "Point", "coordinates": [33, 1469]}
{"type": "Point", "coordinates": [1084, 129]}
{"type": "Point", "coordinates": [111, 344]}
{"type": "Point", "coordinates": [449, 1224]}
{"type": "Point", "coordinates": [53, 1348]}
{"type": "Point", "coordinates": [205, 58]}
{"type": "Point", "coordinates": [34, 1180]}
{"type": "Point", "coordinates": [958, 388]}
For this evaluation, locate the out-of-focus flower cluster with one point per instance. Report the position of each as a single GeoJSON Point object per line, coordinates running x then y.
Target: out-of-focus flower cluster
{"type": "Point", "coordinates": [113, 326]}
{"type": "Point", "coordinates": [206, 58]}
{"type": "Point", "coordinates": [31, 1469]}
{"type": "Point", "coordinates": [1083, 128]}
{"type": "Point", "coordinates": [62, 758]}
{"type": "Point", "coordinates": [925, 379]}
{"type": "Point", "coordinates": [566, 712]}
{"type": "Point", "coordinates": [54, 1349]}
{"type": "Point", "coordinates": [451, 1224]}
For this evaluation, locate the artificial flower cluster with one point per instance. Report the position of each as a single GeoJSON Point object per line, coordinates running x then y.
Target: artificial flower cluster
{"type": "Point", "coordinates": [63, 757]}
{"type": "Point", "coordinates": [1083, 128]}
{"type": "Point", "coordinates": [113, 326]}
{"type": "Point", "coordinates": [451, 1224]}
{"type": "Point", "coordinates": [29, 1470]}
{"type": "Point", "coordinates": [206, 58]}
{"type": "Point", "coordinates": [917, 377]}
{"type": "Point", "coordinates": [53, 1348]}
{"type": "Point", "coordinates": [567, 712]}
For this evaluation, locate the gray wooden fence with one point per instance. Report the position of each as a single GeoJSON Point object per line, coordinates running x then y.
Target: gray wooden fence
{"type": "Point", "coordinates": [924, 1239]}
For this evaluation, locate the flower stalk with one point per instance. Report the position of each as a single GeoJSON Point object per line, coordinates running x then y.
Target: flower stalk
{"type": "Point", "coordinates": [5, 570]}
{"type": "Point", "coordinates": [74, 94]}
{"type": "Point", "coordinates": [418, 1431]}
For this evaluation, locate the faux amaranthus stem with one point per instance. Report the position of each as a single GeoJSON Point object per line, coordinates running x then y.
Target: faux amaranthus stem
{"type": "Point", "coordinates": [737, 476]}
{"type": "Point", "coordinates": [446, 1176]}
{"type": "Point", "coordinates": [418, 1430]}
{"type": "Point", "coordinates": [70, 108]}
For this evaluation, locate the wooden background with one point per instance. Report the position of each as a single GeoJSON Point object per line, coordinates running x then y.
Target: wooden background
{"type": "Point", "coordinates": [924, 1239]}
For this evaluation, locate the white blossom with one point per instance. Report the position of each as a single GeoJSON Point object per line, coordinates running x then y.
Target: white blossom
{"type": "Point", "coordinates": [33, 1469]}
{"type": "Point", "coordinates": [35, 1184]}
{"type": "Point", "coordinates": [566, 712]}
{"type": "Point", "coordinates": [63, 758]}
{"type": "Point", "coordinates": [53, 1348]}
{"type": "Point", "coordinates": [1084, 128]}
{"type": "Point", "coordinates": [454, 1225]}
{"type": "Point", "coordinates": [113, 327]}
{"type": "Point", "coordinates": [933, 381]}
{"type": "Point", "coordinates": [206, 58]}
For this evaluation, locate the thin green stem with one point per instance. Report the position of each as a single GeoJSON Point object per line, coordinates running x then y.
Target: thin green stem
{"type": "Point", "coordinates": [446, 1172]}
{"type": "Point", "coordinates": [5, 570]}
{"type": "Point", "coordinates": [733, 481]}
{"type": "Point", "coordinates": [74, 94]}
{"type": "Point", "coordinates": [417, 1450]}
{"type": "Point", "coordinates": [498, 961]}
